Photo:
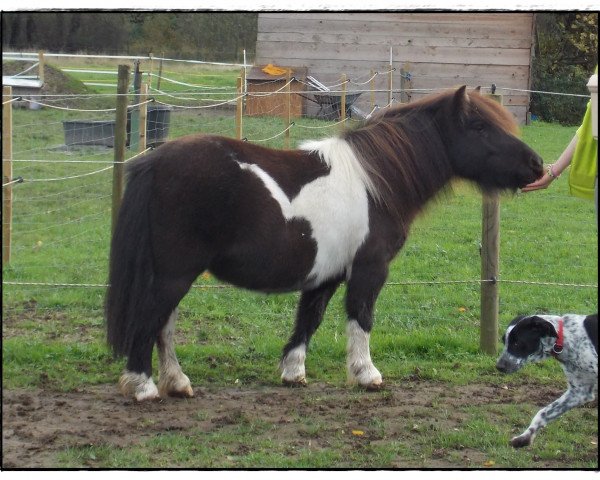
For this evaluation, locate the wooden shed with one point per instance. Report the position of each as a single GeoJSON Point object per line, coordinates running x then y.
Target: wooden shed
{"type": "Point", "coordinates": [24, 88]}
{"type": "Point", "coordinates": [262, 89]}
{"type": "Point", "coordinates": [438, 49]}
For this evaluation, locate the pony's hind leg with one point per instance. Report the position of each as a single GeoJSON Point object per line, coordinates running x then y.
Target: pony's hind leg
{"type": "Point", "coordinates": [308, 318]}
{"type": "Point", "coordinates": [171, 381]}
{"type": "Point", "coordinates": [139, 386]}
{"type": "Point", "coordinates": [136, 381]}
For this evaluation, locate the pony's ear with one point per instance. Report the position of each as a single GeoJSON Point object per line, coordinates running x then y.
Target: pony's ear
{"type": "Point", "coordinates": [460, 102]}
{"type": "Point", "coordinates": [478, 89]}
{"type": "Point", "coordinates": [461, 95]}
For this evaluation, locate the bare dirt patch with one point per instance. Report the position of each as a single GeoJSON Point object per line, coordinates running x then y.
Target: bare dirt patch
{"type": "Point", "coordinates": [37, 424]}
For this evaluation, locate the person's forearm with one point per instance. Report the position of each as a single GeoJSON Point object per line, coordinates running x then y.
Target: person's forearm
{"type": "Point", "coordinates": [565, 159]}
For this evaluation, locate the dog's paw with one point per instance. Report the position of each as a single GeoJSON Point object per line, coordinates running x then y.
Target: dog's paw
{"type": "Point", "coordinates": [521, 441]}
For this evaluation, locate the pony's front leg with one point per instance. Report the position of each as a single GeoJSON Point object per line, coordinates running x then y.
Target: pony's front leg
{"type": "Point", "coordinates": [363, 288]}
{"type": "Point", "coordinates": [171, 381]}
{"type": "Point", "coordinates": [311, 309]}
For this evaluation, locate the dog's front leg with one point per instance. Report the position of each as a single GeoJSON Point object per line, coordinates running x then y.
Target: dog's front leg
{"type": "Point", "coordinates": [572, 398]}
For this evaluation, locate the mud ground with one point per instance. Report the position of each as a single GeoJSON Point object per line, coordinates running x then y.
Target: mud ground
{"type": "Point", "coordinates": [37, 424]}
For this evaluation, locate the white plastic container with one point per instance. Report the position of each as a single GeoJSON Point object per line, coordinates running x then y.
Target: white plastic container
{"type": "Point", "coordinates": [593, 88]}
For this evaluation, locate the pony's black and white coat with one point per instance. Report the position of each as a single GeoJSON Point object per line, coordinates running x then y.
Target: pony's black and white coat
{"type": "Point", "coordinates": [532, 339]}
{"type": "Point", "coordinates": [334, 210]}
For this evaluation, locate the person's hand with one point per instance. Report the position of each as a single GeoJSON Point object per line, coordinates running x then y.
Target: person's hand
{"type": "Point", "coordinates": [543, 182]}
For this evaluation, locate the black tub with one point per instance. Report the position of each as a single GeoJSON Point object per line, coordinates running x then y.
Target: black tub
{"type": "Point", "coordinates": [102, 132]}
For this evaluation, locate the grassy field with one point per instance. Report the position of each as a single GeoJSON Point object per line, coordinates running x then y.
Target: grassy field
{"type": "Point", "coordinates": [53, 336]}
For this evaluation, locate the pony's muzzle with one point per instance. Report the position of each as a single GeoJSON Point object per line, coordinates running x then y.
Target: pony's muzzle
{"type": "Point", "coordinates": [533, 168]}
{"type": "Point", "coordinates": [537, 164]}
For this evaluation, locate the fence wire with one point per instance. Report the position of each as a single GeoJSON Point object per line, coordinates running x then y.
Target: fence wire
{"type": "Point", "coordinates": [61, 231]}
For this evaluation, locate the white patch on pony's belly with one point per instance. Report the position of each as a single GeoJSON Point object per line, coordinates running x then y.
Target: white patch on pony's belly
{"type": "Point", "coordinates": [336, 206]}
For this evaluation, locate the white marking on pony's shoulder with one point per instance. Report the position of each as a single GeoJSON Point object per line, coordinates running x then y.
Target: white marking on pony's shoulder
{"type": "Point", "coordinates": [336, 205]}
{"type": "Point", "coordinates": [337, 153]}
{"type": "Point", "coordinates": [276, 192]}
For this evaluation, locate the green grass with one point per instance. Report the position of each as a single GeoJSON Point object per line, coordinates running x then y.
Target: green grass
{"type": "Point", "coordinates": [198, 77]}
{"type": "Point", "coordinates": [53, 336]}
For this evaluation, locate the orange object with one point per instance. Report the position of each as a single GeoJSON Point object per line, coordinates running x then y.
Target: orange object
{"type": "Point", "coordinates": [271, 69]}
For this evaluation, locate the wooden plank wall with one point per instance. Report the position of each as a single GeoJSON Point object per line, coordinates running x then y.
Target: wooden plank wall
{"type": "Point", "coordinates": [274, 105]}
{"type": "Point", "coordinates": [439, 49]}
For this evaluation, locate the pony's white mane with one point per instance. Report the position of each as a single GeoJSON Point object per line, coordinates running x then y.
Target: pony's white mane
{"type": "Point", "coordinates": [338, 155]}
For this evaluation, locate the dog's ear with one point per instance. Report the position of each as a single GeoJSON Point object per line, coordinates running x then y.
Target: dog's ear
{"type": "Point", "coordinates": [545, 328]}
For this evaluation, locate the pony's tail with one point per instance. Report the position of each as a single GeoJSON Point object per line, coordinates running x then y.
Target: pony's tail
{"type": "Point", "coordinates": [129, 304]}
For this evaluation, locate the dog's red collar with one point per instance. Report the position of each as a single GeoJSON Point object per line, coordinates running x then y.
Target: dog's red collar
{"type": "Point", "coordinates": [558, 346]}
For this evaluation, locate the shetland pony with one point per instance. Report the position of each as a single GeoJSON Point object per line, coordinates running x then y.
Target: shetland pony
{"type": "Point", "coordinates": [334, 210]}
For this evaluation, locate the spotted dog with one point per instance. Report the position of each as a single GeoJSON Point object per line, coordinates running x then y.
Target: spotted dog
{"type": "Point", "coordinates": [573, 341]}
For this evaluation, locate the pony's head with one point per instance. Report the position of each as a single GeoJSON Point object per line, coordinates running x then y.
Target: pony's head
{"type": "Point", "coordinates": [481, 142]}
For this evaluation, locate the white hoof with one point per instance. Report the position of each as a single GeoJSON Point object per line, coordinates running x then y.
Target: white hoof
{"type": "Point", "coordinates": [139, 386]}
{"type": "Point", "coordinates": [292, 366]}
{"type": "Point", "coordinates": [365, 375]}
{"type": "Point", "coordinates": [361, 370]}
{"type": "Point", "coordinates": [175, 386]}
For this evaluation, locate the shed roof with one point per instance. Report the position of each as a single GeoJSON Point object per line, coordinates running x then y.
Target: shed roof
{"type": "Point", "coordinates": [21, 82]}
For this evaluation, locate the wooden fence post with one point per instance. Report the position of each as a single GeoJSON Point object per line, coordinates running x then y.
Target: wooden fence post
{"type": "Point", "coordinates": [490, 256]}
{"type": "Point", "coordinates": [490, 259]}
{"type": "Point", "coordinates": [160, 65]}
{"type": "Point", "coordinates": [239, 108]}
{"type": "Point", "coordinates": [134, 128]}
{"type": "Point", "coordinates": [151, 70]}
{"type": "Point", "coordinates": [391, 77]}
{"type": "Point", "coordinates": [143, 125]}
{"type": "Point", "coordinates": [405, 84]}
{"type": "Point", "coordinates": [288, 109]}
{"type": "Point", "coordinates": [343, 102]}
{"type": "Point", "coordinates": [7, 194]}
{"type": "Point", "coordinates": [120, 141]}
{"type": "Point", "coordinates": [372, 85]}
{"type": "Point", "coordinates": [41, 65]}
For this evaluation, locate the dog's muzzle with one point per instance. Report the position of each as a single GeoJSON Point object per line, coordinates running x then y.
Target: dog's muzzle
{"type": "Point", "coordinates": [507, 365]}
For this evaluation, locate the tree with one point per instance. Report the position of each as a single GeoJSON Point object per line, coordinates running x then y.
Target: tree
{"type": "Point", "coordinates": [219, 36]}
{"type": "Point", "coordinates": [566, 52]}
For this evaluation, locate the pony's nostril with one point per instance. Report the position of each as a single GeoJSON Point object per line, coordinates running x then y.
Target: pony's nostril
{"type": "Point", "coordinates": [536, 163]}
